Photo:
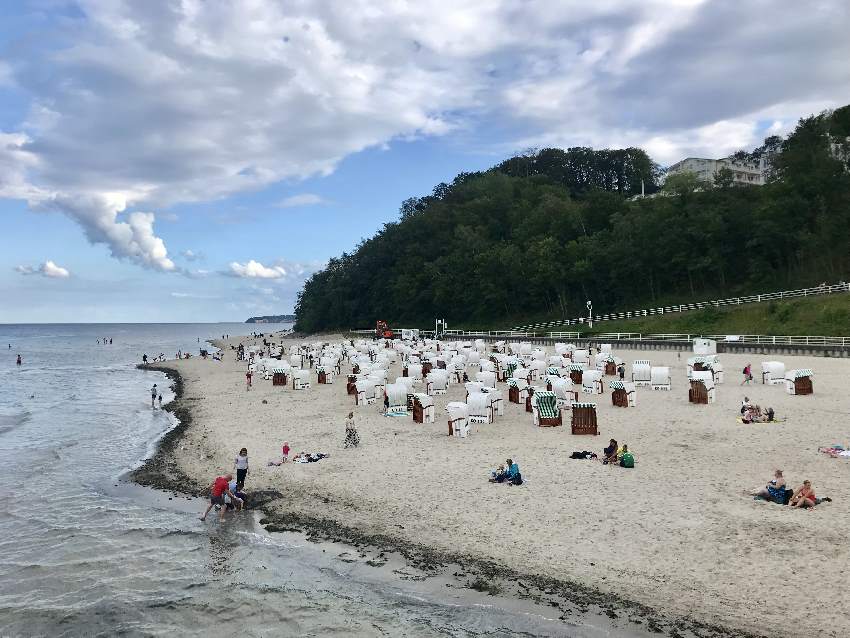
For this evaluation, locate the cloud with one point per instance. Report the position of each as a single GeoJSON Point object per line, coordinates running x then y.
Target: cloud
{"type": "Point", "coordinates": [255, 270]}
{"type": "Point", "coordinates": [192, 295]}
{"type": "Point", "coordinates": [169, 102]}
{"type": "Point", "coordinates": [47, 269]}
{"type": "Point", "coordinates": [192, 255]}
{"type": "Point", "coordinates": [304, 199]}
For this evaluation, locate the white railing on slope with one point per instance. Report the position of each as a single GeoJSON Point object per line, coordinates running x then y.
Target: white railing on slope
{"type": "Point", "coordinates": [718, 303]}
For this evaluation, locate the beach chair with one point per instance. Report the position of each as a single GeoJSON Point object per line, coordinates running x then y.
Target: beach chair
{"type": "Point", "coordinates": [396, 394]}
{"type": "Point", "coordinates": [564, 393]}
{"type": "Point", "coordinates": [279, 377]}
{"type": "Point", "coordinates": [496, 398]}
{"type": "Point", "coordinates": [605, 348]}
{"type": "Point", "coordinates": [365, 391]}
{"type": "Point", "coordinates": [660, 377]}
{"type": "Point", "coordinates": [517, 390]}
{"type": "Point", "coordinates": [623, 394]}
{"type": "Point", "coordinates": [552, 372]}
{"type": "Point", "coordinates": [702, 387]}
{"type": "Point", "coordinates": [592, 382]}
{"type": "Point", "coordinates": [545, 411]}
{"type": "Point", "coordinates": [351, 385]}
{"type": "Point", "coordinates": [583, 419]}
{"type": "Point", "coordinates": [324, 375]}
{"type": "Point", "coordinates": [300, 379]}
{"type": "Point", "coordinates": [641, 373]}
{"type": "Point", "coordinates": [458, 421]}
{"type": "Point", "coordinates": [423, 408]}
{"type": "Point", "coordinates": [413, 371]}
{"type": "Point", "coordinates": [581, 356]}
{"type": "Point", "coordinates": [295, 360]}
{"type": "Point", "coordinates": [704, 346]}
{"type": "Point", "coordinates": [479, 409]}
{"type": "Point", "coordinates": [537, 368]}
{"type": "Point", "coordinates": [407, 382]}
{"type": "Point", "coordinates": [799, 381]}
{"type": "Point", "coordinates": [607, 365]}
{"type": "Point", "coordinates": [717, 368]}
{"type": "Point", "coordinates": [485, 365]}
{"type": "Point", "coordinates": [772, 372]}
{"type": "Point", "coordinates": [379, 381]}
{"type": "Point", "coordinates": [436, 382]}
{"type": "Point", "coordinates": [486, 379]}
{"type": "Point", "coordinates": [473, 359]}
{"type": "Point", "coordinates": [576, 372]}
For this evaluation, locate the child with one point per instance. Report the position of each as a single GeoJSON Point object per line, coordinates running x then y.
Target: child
{"type": "Point", "coordinates": [160, 400]}
{"type": "Point", "coordinates": [240, 464]}
{"type": "Point", "coordinates": [285, 451]}
{"type": "Point", "coordinates": [248, 376]}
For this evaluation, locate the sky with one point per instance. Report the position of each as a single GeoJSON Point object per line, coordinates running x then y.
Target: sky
{"type": "Point", "coordinates": [197, 160]}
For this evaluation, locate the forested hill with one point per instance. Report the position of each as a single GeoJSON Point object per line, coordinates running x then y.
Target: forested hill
{"type": "Point", "coordinates": [539, 234]}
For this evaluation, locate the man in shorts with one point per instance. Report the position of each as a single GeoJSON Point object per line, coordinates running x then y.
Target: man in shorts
{"type": "Point", "coordinates": [218, 489]}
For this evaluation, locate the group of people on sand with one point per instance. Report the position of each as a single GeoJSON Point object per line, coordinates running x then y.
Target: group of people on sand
{"type": "Point", "coordinates": [508, 473]}
{"type": "Point", "coordinates": [615, 454]}
{"type": "Point", "coordinates": [751, 413]}
{"type": "Point", "coordinates": [777, 491]}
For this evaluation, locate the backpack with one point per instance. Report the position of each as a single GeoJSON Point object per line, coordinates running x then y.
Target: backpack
{"type": "Point", "coordinates": [745, 371]}
{"type": "Point", "coordinates": [627, 460]}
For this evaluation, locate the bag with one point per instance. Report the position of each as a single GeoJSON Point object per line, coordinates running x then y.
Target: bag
{"type": "Point", "coordinates": [517, 480]}
{"type": "Point", "coordinates": [627, 460]}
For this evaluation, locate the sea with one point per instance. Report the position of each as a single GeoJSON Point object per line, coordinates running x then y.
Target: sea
{"type": "Point", "coordinates": [85, 552]}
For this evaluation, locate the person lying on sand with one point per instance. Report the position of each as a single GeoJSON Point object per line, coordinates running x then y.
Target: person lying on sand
{"type": "Point", "coordinates": [804, 496]}
{"type": "Point", "coordinates": [774, 490]}
{"type": "Point", "coordinates": [306, 457]}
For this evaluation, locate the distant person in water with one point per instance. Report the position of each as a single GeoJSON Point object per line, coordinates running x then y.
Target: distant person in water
{"type": "Point", "coordinates": [159, 400]}
{"type": "Point", "coordinates": [154, 393]}
{"type": "Point", "coordinates": [18, 362]}
{"type": "Point", "coordinates": [144, 359]}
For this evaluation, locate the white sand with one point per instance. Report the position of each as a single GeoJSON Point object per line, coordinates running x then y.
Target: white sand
{"type": "Point", "coordinates": [676, 533]}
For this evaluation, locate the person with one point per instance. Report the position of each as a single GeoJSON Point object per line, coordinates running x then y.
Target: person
{"type": "Point", "coordinates": [144, 359]}
{"type": "Point", "coordinates": [508, 473]}
{"type": "Point", "coordinates": [770, 414]}
{"type": "Point", "coordinates": [159, 400]}
{"type": "Point", "coordinates": [745, 404]}
{"type": "Point", "coordinates": [154, 393]}
{"type": "Point", "coordinates": [218, 489]}
{"type": "Point", "coordinates": [240, 464]}
{"type": "Point", "coordinates": [352, 439]}
{"type": "Point", "coordinates": [242, 501]}
{"type": "Point", "coordinates": [248, 376]}
{"type": "Point", "coordinates": [609, 454]}
{"type": "Point", "coordinates": [627, 459]}
{"type": "Point", "coordinates": [775, 490]}
{"type": "Point", "coordinates": [804, 496]}
{"type": "Point", "coordinates": [110, 341]}
{"type": "Point", "coordinates": [621, 369]}
{"type": "Point", "coordinates": [748, 374]}
{"type": "Point", "coordinates": [18, 362]}
{"type": "Point", "coordinates": [285, 451]}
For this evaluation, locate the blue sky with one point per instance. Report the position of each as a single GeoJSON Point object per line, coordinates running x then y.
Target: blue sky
{"type": "Point", "coordinates": [192, 161]}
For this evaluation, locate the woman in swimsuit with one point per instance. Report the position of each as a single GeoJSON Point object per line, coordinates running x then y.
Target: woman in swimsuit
{"type": "Point", "coordinates": [804, 496]}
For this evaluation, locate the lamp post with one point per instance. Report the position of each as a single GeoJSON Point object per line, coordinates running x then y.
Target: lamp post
{"type": "Point", "coordinates": [589, 314]}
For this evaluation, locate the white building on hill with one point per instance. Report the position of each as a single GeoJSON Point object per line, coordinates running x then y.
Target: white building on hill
{"type": "Point", "coordinates": [743, 172]}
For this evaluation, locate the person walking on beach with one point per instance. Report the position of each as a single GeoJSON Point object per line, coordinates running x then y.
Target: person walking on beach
{"type": "Point", "coordinates": [352, 439]}
{"type": "Point", "coordinates": [248, 376]}
{"type": "Point", "coordinates": [748, 374]}
{"type": "Point", "coordinates": [218, 489]}
{"type": "Point", "coordinates": [240, 464]}
{"type": "Point", "coordinates": [154, 393]}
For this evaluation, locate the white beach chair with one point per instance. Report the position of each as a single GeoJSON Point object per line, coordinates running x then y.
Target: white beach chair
{"type": "Point", "coordinates": [436, 382]}
{"type": "Point", "coordinates": [772, 372]}
{"type": "Point", "coordinates": [396, 394]}
{"type": "Point", "coordinates": [487, 379]}
{"type": "Point", "coordinates": [591, 382]}
{"type": "Point", "coordinates": [458, 419]}
{"type": "Point", "coordinates": [564, 393]}
{"type": "Point", "coordinates": [300, 379]}
{"type": "Point", "coordinates": [414, 371]}
{"type": "Point", "coordinates": [496, 398]}
{"type": "Point", "coordinates": [660, 377]}
{"type": "Point", "coordinates": [479, 408]}
{"type": "Point", "coordinates": [642, 373]}
{"type": "Point", "coordinates": [365, 391]}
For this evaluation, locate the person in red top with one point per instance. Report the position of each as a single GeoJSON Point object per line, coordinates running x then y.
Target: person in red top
{"type": "Point", "coordinates": [248, 376]}
{"type": "Point", "coordinates": [218, 489]}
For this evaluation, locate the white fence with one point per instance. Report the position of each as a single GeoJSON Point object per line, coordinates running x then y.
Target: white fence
{"type": "Point", "coordinates": [718, 303]}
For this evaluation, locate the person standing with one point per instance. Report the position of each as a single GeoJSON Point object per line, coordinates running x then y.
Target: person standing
{"type": "Point", "coordinates": [240, 464]}
{"type": "Point", "coordinates": [154, 393]}
{"type": "Point", "coordinates": [144, 359]}
{"type": "Point", "coordinates": [352, 439]}
{"type": "Point", "coordinates": [218, 489]}
{"type": "Point", "coordinates": [159, 401]}
{"type": "Point", "coordinates": [18, 361]}
{"type": "Point", "coordinates": [248, 376]}
{"type": "Point", "coordinates": [748, 374]}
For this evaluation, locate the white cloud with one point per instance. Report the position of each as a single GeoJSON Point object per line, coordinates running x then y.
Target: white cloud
{"type": "Point", "coordinates": [192, 295]}
{"type": "Point", "coordinates": [189, 101]}
{"type": "Point", "coordinates": [192, 255]}
{"type": "Point", "coordinates": [255, 270]}
{"type": "Point", "coordinates": [47, 269]}
{"type": "Point", "coordinates": [304, 199]}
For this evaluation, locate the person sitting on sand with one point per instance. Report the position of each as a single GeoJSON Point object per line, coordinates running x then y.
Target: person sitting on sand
{"type": "Point", "coordinates": [510, 475]}
{"type": "Point", "coordinates": [775, 490]}
{"type": "Point", "coordinates": [745, 404]}
{"type": "Point", "coordinates": [218, 489]}
{"type": "Point", "coordinates": [495, 474]}
{"type": "Point", "coordinates": [609, 454]}
{"type": "Point", "coordinates": [804, 496]}
{"type": "Point", "coordinates": [625, 457]}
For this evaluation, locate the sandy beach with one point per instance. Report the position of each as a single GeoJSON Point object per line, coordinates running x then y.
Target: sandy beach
{"type": "Point", "coordinates": [678, 533]}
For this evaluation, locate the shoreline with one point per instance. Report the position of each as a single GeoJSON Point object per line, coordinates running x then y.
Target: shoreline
{"type": "Point", "coordinates": [572, 599]}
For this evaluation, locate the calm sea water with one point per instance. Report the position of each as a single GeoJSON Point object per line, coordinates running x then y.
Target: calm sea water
{"type": "Point", "coordinates": [82, 553]}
